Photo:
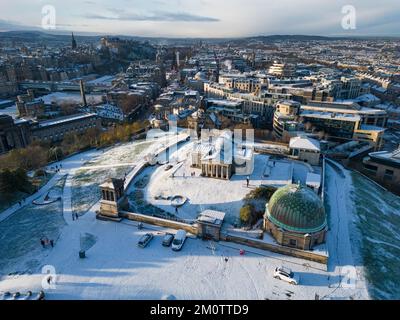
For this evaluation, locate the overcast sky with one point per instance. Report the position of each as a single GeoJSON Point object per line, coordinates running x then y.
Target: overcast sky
{"type": "Point", "coordinates": [205, 18]}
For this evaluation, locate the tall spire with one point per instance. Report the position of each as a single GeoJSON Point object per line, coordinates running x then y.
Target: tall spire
{"type": "Point", "coordinates": [73, 42]}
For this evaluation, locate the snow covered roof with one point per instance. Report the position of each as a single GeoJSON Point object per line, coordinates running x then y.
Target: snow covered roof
{"type": "Point", "coordinates": [389, 157]}
{"type": "Point", "coordinates": [368, 127]}
{"type": "Point", "coordinates": [313, 180]}
{"type": "Point", "coordinates": [304, 143]}
{"type": "Point", "coordinates": [212, 216]}
{"type": "Point", "coordinates": [66, 119]}
{"type": "Point", "coordinates": [112, 184]}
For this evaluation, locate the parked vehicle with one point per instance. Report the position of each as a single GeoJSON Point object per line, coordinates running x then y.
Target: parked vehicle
{"type": "Point", "coordinates": [287, 275]}
{"type": "Point", "coordinates": [167, 240]}
{"type": "Point", "coordinates": [179, 240]}
{"type": "Point", "coordinates": [144, 240]}
{"type": "Point", "coordinates": [168, 167]}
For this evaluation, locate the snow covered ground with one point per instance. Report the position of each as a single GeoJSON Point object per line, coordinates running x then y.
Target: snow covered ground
{"type": "Point", "coordinates": [115, 268]}
{"type": "Point", "coordinates": [64, 97]}
{"type": "Point", "coordinates": [112, 163]}
{"type": "Point", "coordinates": [20, 234]}
{"type": "Point", "coordinates": [376, 232]}
{"type": "Point", "coordinates": [215, 194]}
{"type": "Point", "coordinates": [342, 253]}
{"type": "Point", "coordinates": [10, 111]}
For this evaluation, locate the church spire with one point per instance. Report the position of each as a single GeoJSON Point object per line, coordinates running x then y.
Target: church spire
{"type": "Point", "coordinates": [73, 42]}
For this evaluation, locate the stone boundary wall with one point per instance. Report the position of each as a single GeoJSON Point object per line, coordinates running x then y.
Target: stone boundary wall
{"type": "Point", "coordinates": [307, 255]}
{"type": "Point", "coordinates": [143, 164]}
{"type": "Point", "coordinates": [193, 229]}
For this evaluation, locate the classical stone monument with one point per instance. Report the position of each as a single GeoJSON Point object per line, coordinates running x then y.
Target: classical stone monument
{"type": "Point", "coordinates": [220, 157]}
{"type": "Point", "coordinates": [112, 198]}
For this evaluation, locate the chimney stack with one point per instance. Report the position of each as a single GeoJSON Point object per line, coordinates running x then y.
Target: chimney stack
{"type": "Point", "coordinates": [83, 94]}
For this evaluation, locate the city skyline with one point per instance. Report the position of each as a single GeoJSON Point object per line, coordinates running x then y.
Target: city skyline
{"type": "Point", "coordinates": [204, 18]}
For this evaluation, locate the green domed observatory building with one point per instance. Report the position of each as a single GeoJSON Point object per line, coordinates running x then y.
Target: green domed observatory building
{"type": "Point", "coordinates": [295, 216]}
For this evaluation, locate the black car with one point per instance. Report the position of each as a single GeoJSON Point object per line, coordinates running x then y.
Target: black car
{"type": "Point", "coordinates": [167, 240]}
{"type": "Point", "coordinates": [144, 240]}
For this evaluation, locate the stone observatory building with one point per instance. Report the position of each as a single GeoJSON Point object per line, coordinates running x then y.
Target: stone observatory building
{"type": "Point", "coordinates": [295, 216]}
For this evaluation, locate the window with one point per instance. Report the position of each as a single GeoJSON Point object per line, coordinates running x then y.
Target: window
{"type": "Point", "coordinates": [371, 168]}
{"type": "Point", "coordinates": [389, 174]}
{"type": "Point", "coordinates": [293, 243]}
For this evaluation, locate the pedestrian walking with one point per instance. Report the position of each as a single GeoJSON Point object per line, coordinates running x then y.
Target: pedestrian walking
{"type": "Point", "coordinates": [248, 181]}
{"type": "Point", "coordinates": [42, 242]}
{"type": "Point", "coordinates": [52, 243]}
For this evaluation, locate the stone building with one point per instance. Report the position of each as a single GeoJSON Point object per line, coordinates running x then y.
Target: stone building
{"type": "Point", "coordinates": [55, 130]}
{"type": "Point", "coordinates": [305, 149]}
{"type": "Point", "coordinates": [285, 123]}
{"type": "Point", "coordinates": [209, 224]}
{"type": "Point", "coordinates": [13, 134]}
{"type": "Point", "coordinates": [29, 106]}
{"type": "Point", "coordinates": [384, 167]}
{"type": "Point", "coordinates": [220, 158]}
{"type": "Point", "coordinates": [295, 217]}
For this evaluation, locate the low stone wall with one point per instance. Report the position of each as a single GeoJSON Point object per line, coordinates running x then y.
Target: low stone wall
{"type": "Point", "coordinates": [307, 255]}
{"type": "Point", "coordinates": [159, 222]}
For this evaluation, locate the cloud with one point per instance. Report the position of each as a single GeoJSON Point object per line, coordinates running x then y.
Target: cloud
{"type": "Point", "coordinates": [199, 18]}
{"type": "Point", "coordinates": [120, 15]}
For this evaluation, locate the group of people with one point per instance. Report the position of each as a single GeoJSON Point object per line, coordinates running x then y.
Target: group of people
{"type": "Point", "coordinates": [57, 168]}
{"type": "Point", "coordinates": [75, 216]}
{"type": "Point", "coordinates": [45, 242]}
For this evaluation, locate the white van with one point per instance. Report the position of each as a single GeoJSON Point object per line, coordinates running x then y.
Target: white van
{"type": "Point", "coordinates": [179, 240]}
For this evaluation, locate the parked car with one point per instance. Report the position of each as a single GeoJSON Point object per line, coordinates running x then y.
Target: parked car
{"type": "Point", "coordinates": [167, 240]}
{"type": "Point", "coordinates": [179, 240]}
{"type": "Point", "coordinates": [287, 275]}
{"type": "Point", "coordinates": [168, 167]}
{"type": "Point", "coordinates": [144, 240]}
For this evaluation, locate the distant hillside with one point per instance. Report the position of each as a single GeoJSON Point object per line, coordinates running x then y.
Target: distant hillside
{"type": "Point", "coordinates": [65, 36]}
{"type": "Point", "coordinates": [295, 38]}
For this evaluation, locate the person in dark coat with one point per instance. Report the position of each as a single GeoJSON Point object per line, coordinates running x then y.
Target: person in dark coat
{"type": "Point", "coordinates": [52, 243]}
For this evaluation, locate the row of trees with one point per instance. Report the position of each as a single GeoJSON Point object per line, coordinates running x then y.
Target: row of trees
{"type": "Point", "coordinates": [254, 205]}
{"type": "Point", "coordinates": [38, 154]}
{"type": "Point", "coordinates": [12, 181]}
